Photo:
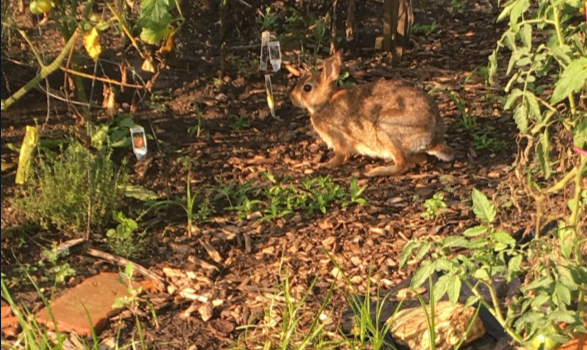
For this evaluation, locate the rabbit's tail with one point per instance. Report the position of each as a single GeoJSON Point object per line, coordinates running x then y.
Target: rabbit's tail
{"type": "Point", "coordinates": [442, 151]}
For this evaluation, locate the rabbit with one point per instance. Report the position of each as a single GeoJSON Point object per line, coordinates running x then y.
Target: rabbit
{"type": "Point", "coordinates": [383, 119]}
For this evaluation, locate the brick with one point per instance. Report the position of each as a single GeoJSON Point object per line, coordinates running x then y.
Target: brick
{"type": "Point", "coordinates": [9, 326]}
{"type": "Point", "coordinates": [97, 294]}
{"type": "Point", "coordinates": [579, 343]}
{"type": "Point", "coordinates": [6, 311]}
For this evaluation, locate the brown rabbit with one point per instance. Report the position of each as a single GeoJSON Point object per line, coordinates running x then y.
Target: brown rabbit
{"type": "Point", "coordinates": [385, 119]}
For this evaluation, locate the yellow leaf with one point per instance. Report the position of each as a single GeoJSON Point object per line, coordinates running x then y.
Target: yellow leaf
{"type": "Point", "coordinates": [148, 66]}
{"type": "Point", "coordinates": [92, 43]}
{"type": "Point", "coordinates": [29, 143]}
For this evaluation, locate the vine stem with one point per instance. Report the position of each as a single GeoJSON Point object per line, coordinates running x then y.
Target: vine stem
{"type": "Point", "coordinates": [494, 310]}
{"type": "Point", "coordinates": [44, 73]}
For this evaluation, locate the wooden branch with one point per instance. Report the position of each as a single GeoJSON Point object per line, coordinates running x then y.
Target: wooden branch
{"type": "Point", "coordinates": [158, 280]}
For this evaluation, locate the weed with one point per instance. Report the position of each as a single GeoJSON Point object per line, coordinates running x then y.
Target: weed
{"type": "Point", "coordinates": [342, 80]}
{"type": "Point", "coordinates": [434, 206]}
{"type": "Point", "coordinates": [239, 123]}
{"type": "Point", "coordinates": [197, 129]}
{"type": "Point", "coordinates": [187, 204]}
{"type": "Point", "coordinates": [157, 101]}
{"type": "Point", "coordinates": [355, 194]}
{"type": "Point", "coordinates": [268, 20]}
{"type": "Point", "coordinates": [425, 29]}
{"type": "Point", "coordinates": [458, 6]}
{"type": "Point", "coordinates": [53, 269]}
{"type": "Point", "coordinates": [68, 190]}
{"type": "Point", "coordinates": [481, 140]}
{"type": "Point", "coordinates": [124, 240]}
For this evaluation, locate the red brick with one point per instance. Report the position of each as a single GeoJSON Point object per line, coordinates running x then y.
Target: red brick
{"type": "Point", "coordinates": [6, 311]}
{"type": "Point", "coordinates": [579, 343]}
{"type": "Point", "coordinates": [9, 326]}
{"type": "Point", "coordinates": [97, 294]}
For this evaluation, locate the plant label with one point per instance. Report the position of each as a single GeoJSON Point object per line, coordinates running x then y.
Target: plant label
{"type": "Point", "coordinates": [139, 141]}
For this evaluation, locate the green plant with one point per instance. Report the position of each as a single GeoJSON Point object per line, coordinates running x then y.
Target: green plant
{"type": "Point", "coordinates": [197, 129]}
{"type": "Point", "coordinates": [239, 123]}
{"type": "Point", "coordinates": [482, 140]}
{"type": "Point", "coordinates": [52, 268]}
{"type": "Point", "coordinates": [458, 6]}
{"type": "Point", "coordinates": [188, 204]}
{"type": "Point", "coordinates": [124, 240]}
{"type": "Point", "coordinates": [268, 20]}
{"type": "Point", "coordinates": [425, 29]}
{"type": "Point", "coordinates": [355, 193]}
{"type": "Point", "coordinates": [341, 81]}
{"type": "Point", "coordinates": [73, 191]}
{"type": "Point", "coordinates": [288, 322]}
{"type": "Point", "coordinates": [554, 277]}
{"type": "Point", "coordinates": [434, 206]}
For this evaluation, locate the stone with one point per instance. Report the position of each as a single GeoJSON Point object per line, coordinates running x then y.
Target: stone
{"type": "Point", "coordinates": [409, 327]}
{"type": "Point", "coordinates": [90, 300]}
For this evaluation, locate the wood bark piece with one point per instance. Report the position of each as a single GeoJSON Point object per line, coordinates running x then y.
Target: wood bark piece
{"type": "Point", "coordinates": [410, 326]}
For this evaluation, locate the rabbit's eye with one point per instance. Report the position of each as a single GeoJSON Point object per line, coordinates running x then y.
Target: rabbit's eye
{"type": "Point", "coordinates": [307, 88]}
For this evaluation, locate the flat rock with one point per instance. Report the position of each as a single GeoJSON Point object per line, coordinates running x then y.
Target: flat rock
{"type": "Point", "coordinates": [409, 327]}
{"type": "Point", "coordinates": [90, 300]}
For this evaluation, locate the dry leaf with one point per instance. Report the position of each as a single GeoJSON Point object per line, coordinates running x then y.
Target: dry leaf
{"type": "Point", "coordinates": [92, 43]}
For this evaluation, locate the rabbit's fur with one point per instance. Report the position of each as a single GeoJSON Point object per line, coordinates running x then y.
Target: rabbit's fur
{"type": "Point", "coordinates": [385, 119]}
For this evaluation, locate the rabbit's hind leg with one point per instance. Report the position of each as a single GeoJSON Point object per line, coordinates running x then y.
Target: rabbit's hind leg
{"type": "Point", "coordinates": [401, 166]}
{"type": "Point", "coordinates": [337, 160]}
{"type": "Point", "coordinates": [442, 151]}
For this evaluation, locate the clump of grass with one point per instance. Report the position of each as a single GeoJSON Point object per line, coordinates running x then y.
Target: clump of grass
{"type": "Point", "coordinates": [67, 190]}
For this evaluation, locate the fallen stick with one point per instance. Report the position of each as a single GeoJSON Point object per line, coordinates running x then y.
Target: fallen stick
{"type": "Point", "coordinates": [158, 280]}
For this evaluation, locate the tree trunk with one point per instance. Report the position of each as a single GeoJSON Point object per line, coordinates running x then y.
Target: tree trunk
{"type": "Point", "coordinates": [397, 23]}
{"type": "Point", "coordinates": [350, 20]}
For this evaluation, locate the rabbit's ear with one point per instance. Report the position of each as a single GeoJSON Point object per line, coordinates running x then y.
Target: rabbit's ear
{"type": "Point", "coordinates": [331, 67]}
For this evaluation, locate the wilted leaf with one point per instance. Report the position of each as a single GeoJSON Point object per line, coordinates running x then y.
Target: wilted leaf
{"type": "Point", "coordinates": [31, 137]}
{"type": "Point", "coordinates": [92, 43]}
{"type": "Point", "coordinates": [139, 193]}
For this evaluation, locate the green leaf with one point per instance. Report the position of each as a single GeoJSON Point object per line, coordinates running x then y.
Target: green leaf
{"type": "Point", "coordinates": [533, 106]}
{"type": "Point", "coordinates": [154, 36]}
{"type": "Point", "coordinates": [540, 300]}
{"type": "Point", "coordinates": [483, 208]}
{"type": "Point", "coordinates": [518, 9]}
{"type": "Point", "coordinates": [423, 250]}
{"type": "Point", "coordinates": [503, 238]}
{"type": "Point", "coordinates": [442, 264]}
{"type": "Point", "coordinates": [422, 275]}
{"type": "Point", "coordinates": [440, 287]}
{"type": "Point", "coordinates": [514, 267]}
{"type": "Point", "coordinates": [472, 300]}
{"type": "Point", "coordinates": [572, 80]}
{"type": "Point", "coordinates": [475, 231]}
{"type": "Point", "coordinates": [538, 283]}
{"type": "Point", "coordinates": [454, 289]}
{"type": "Point", "coordinates": [140, 193]}
{"type": "Point", "coordinates": [455, 242]}
{"type": "Point", "coordinates": [526, 35]}
{"type": "Point", "coordinates": [476, 244]}
{"type": "Point", "coordinates": [129, 269]}
{"type": "Point", "coordinates": [407, 253]}
{"type": "Point", "coordinates": [482, 274]}
{"type": "Point", "coordinates": [543, 153]}
{"type": "Point", "coordinates": [155, 13]}
{"type": "Point", "coordinates": [563, 293]}
{"type": "Point", "coordinates": [512, 98]}
{"type": "Point", "coordinates": [559, 316]}
{"type": "Point", "coordinates": [562, 54]}
{"type": "Point", "coordinates": [580, 134]}
{"type": "Point", "coordinates": [521, 117]}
